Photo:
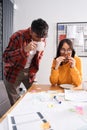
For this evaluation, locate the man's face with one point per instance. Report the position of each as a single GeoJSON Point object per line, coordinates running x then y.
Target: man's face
{"type": "Point", "coordinates": [35, 37]}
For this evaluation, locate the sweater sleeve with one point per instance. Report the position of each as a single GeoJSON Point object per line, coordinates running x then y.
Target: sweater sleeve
{"type": "Point", "coordinates": [54, 74]}
{"type": "Point", "coordinates": [76, 72]}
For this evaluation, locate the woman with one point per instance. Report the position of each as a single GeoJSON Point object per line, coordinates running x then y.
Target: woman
{"type": "Point", "coordinates": [66, 67]}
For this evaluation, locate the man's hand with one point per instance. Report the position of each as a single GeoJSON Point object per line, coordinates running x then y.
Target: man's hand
{"type": "Point", "coordinates": [31, 46]}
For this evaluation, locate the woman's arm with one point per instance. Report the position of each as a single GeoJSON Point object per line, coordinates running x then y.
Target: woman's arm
{"type": "Point", "coordinates": [76, 72]}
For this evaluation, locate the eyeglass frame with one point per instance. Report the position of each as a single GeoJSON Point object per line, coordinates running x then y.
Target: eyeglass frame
{"type": "Point", "coordinates": [63, 50]}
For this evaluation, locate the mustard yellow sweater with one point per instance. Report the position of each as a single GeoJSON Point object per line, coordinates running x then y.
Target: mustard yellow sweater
{"type": "Point", "coordinates": [66, 75]}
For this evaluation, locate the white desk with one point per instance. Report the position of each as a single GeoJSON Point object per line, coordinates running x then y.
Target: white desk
{"type": "Point", "coordinates": [64, 116]}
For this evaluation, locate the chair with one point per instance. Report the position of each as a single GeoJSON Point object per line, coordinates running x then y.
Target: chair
{"type": "Point", "coordinates": [4, 100]}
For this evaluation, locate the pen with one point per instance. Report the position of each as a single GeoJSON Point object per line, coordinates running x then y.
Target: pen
{"type": "Point", "coordinates": [59, 102]}
{"type": "Point", "coordinates": [40, 115]}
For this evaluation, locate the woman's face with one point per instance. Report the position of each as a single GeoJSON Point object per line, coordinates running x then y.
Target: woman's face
{"type": "Point", "coordinates": [66, 51]}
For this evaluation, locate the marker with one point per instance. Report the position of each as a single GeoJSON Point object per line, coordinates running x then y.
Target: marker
{"type": "Point", "coordinates": [59, 102]}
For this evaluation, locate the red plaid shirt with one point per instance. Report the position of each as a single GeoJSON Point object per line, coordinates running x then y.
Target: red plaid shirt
{"type": "Point", "coordinates": [15, 57]}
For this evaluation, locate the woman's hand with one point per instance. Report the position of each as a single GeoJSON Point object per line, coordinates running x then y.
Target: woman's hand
{"type": "Point", "coordinates": [59, 60]}
{"type": "Point", "coordinates": [72, 62]}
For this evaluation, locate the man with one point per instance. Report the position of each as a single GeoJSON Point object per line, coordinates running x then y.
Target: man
{"type": "Point", "coordinates": [20, 64]}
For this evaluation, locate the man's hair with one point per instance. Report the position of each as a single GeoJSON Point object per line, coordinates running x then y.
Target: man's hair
{"type": "Point", "coordinates": [40, 27]}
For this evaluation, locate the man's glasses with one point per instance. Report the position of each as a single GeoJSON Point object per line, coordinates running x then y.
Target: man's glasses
{"type": "Point", "coordinates": [64, 50]}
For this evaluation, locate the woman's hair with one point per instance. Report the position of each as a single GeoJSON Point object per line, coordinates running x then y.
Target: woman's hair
{"type": "Point", "coordinates": [69, 42]}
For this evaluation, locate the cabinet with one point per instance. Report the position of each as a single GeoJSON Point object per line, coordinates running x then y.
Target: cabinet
{"type": "Point", "coordinates": [1, 46]}
{"type": "Point", "coordinates": [6, 28]}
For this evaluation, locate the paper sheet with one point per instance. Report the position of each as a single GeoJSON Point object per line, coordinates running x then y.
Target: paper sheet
{"type": "Point", "coordinates": [73, 95]}
{"type": "Point", "coordinates": [71, 31]}
{"type": "Point", "coordinates": [58, 115]}
{"type": "Point", "coordinates": [24, 121]}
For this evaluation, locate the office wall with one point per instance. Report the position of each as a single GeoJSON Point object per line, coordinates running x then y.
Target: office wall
{"type": "Point", "coordinates": [52, 11]}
